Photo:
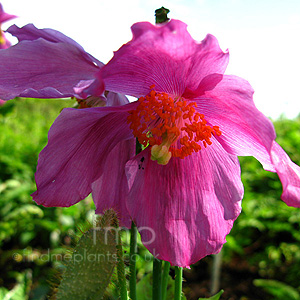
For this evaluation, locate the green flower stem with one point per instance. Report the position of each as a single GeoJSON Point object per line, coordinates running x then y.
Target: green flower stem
{"type": "Point", "coordinates": [132, 263]}
{"type": "Point", "coordinates": [156, 288]}
{"type": "Point", "coordinates": [165, 280]}
{"type": "Point", "coordinates": [178, 283]}
{"type": "Point", "coordinates": [121, 270]}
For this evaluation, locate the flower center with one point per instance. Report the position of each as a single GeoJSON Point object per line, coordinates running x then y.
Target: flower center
{"type": "Point", "coordinates": [82, 103]}
{"type": "Point", "coordinates": [171, 127]}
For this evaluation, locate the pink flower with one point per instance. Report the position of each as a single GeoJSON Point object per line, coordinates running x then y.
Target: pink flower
{"type": "Point", "coordinates": [184, 190]}
{"type": "Point", "coordinates": [4, 43]}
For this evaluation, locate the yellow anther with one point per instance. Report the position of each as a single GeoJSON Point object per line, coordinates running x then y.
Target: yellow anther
{"type": "Point", "coordinates": [2, 39]}
{"type": "Point", "coordinates": [161, 154]}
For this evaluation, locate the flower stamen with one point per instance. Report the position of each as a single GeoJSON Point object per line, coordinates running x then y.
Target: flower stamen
{"type": "Point", "coordinates": [170, 126]}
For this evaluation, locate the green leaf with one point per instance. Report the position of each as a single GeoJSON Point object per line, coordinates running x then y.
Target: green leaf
{"type": "Point", "coordinates": [144, 288]}
{"type": "Point", "coordinates": [20, 291]}
{"type": "Point", "coordinates": [215, 297]}
{"type": "Point", "coordinates": [3, 292]}
{"type": "Point", "coordinates": [91, 266]}
{"type": "Point", "coordinates": [278, 289]}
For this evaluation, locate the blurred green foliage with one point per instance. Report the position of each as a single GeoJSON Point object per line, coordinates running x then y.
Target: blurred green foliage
{"type": "Point", "coordinates": [215, 297]}
{"type": "Point", "coordinates": [278, 289]}
{"type": "Point", "coordinates": [262, 248]}
{"type": "Point", "coordinates": [265, 239]}
{"type": "Point", "coordinates": [31, 237]}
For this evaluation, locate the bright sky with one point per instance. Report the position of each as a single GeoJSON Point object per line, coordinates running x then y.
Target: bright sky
{"type": "Point", "coordinates": [263, 36]}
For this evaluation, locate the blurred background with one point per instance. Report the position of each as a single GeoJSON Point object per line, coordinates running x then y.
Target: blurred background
{"type": "Point", "coordinates": [261, 259]}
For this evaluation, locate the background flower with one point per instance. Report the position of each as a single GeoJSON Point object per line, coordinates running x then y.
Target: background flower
{"type": "Point", "coordinates": [4, 43]}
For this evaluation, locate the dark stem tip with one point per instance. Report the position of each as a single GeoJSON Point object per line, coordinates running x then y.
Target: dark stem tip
{"type": "Point", "coordinates": [161, 15]}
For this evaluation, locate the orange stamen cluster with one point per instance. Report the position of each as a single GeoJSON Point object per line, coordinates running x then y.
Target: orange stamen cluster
{"type": "Point", "coordinates": [161, 120]}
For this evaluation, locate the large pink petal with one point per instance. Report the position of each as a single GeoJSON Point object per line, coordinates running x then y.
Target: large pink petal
{"type": "Point", "coordinates": [111, 189]}
{"type": "Point", "coordinates": [42, 69]}
{"type": "Point", "coordinates": [289, 174]}
{"type": "Point", "coordinates": [80, 141]}
{"type": "Point", "coordinates": [245, 130]}
{"type": "Point", "coordinates": [30, 33]}
{"type": "Point", "coordinates": [163, 55]}
{"type": "Point", "coordinates": [185, 209]}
